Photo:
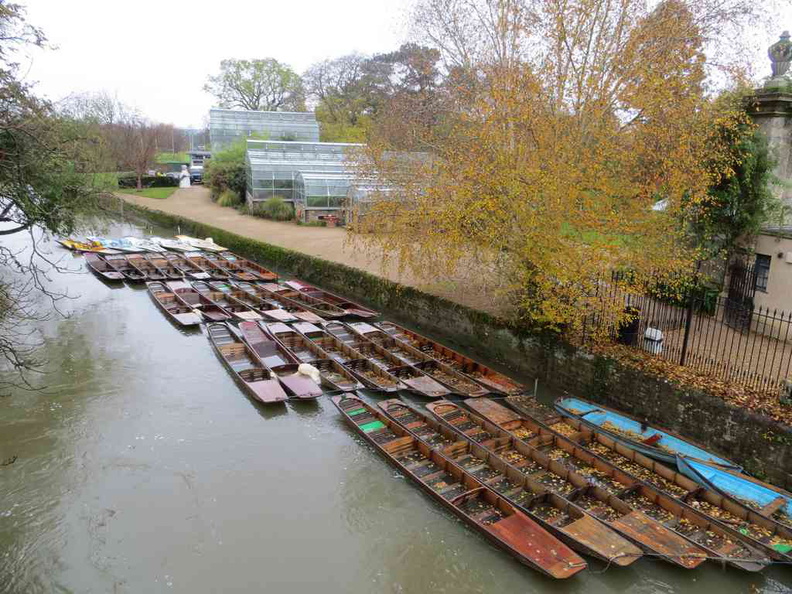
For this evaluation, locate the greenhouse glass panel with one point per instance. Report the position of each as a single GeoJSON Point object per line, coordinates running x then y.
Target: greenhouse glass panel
{"type": "Point", "coordinates": [227, 125]}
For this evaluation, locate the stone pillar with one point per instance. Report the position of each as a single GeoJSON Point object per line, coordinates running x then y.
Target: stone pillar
{"type": "Point", "coordinates": [772, 112]}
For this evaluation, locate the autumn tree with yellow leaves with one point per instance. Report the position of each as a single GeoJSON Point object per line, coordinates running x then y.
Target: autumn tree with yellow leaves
{"type": "Point", "coordinates": [563, 123]}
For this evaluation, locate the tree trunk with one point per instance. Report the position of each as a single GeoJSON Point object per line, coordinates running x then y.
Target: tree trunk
{"type": "Point", "coordinates": [139, 181]}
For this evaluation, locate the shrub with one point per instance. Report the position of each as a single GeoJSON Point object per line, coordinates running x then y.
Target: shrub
{"type": "Point", "coordinates": [229, 198]}
{"type": "Point", "coordinates": [226, 170]}
{"type": "Point", "coordinates": [126, 180]}
{"type": "Point", "coordinates": [273, 208]}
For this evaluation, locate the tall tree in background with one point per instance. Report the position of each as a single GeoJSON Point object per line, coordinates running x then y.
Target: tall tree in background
{"type": "Point", "coordinates": [563, 123]}
{"type": "Point", "coordinates": [259, 85]}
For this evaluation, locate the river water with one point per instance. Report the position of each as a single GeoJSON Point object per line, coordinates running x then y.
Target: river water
{"type": "Point", "coordinates": [142, 468]}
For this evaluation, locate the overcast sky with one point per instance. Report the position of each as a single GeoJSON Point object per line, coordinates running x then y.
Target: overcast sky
{"type": "Point", "coordinates": [157, 54]}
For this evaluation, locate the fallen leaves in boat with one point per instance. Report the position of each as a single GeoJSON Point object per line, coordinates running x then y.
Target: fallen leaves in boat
{"type": "Point", "coordinates": [648, 507]}
{"type": "Point", "coordinates": [637, 470]}
{"type": "Point", "coordinates": [598, 509]}
{"type": "Point", "coordinates": [523, 433]}
{"type": "Point", "coordinates": [558, 454]}
{"type": "Point", "coordinates": [564, 429]}
{"type": "Point", "coordinates": [514, 457]}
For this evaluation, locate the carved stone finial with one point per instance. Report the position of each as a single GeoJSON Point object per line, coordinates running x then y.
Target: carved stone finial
{"type": "Point", "coordinates": [781, 55]}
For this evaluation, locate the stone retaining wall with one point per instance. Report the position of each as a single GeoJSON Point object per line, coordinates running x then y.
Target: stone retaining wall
{"type": "Point", "coordinates": [761, 445]}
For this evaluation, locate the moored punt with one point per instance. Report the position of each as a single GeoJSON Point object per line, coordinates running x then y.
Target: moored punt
{"type": "Point", "coordinates": [192, 298]}
{"type": "Point", "coordinates": [373, 376]}
{"type": "Point", "coordinates": [277, 358]}
{"type": "Point", "coordinates": [489, 378]}
{"type": "Point", "coordinates": [302, 300]}
{"type": "Point", "coordinates": [762, 532]}
{"type": "Point", "coordinates": [174, 245]}
{"type": "Point", "coordinates": [262, 273]}
{"type": "Point", "coordinates": [657, 443]}
{"type": "Point", "coordinates": [101, 268]}
{"type": "Point", "coordinates": [335, 377]}
{"type": "Point", "coordinates": [335, 348]}
{"type": "Point", "coordinates": [461, 493]}
{"type": "Point", "coordinates": [85, 246]}
{"type": "Point", "coordinates": [720, 542]}
{"type": "Point", "coordinates": [350, 307]}
{"type": "Point", "coordinates": [635, 525]}
{"type": "Point", "coordinates": [457, 382]}
{"type": "Point", "coordinates": [202, 244]}
{"type": "Point", "coordinates": [282, 310]}
{"type": "Point", "coordinates": [172, 307]}
{"type": "Point", "coordinates": [146, 268]}
{"type": "Point", "coordinates": [144, 245]}
{"type": "Point", "coordinates": [237, 309]}
{"type": "Point", "coordinates": [767, 500]}
{"type": "Point", "coordinates": [161, 263]}
{"type": "Point", "coordinates": [558, 516]}
{"type": "Point", "coordinates": [119, 263]}
{"type": "Point", "coordinates": [257, 381]}
{"type": "Point", "coordinates": [200, 260]}
{"type": "Point", "coordinates": [233, 269]}
{"type": "Point", "coordinates": [119, 245]}
{"type": "Point", "coordinates": [186, 266]}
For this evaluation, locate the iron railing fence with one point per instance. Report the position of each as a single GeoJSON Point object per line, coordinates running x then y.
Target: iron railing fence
{"type": "Point", "coordinates": [727, 339]}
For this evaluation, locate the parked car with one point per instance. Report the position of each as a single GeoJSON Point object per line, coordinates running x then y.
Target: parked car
{"type": "Point", "coordinates": [196, 175]}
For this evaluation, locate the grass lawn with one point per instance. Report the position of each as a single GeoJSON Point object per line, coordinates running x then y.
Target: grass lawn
{"type": "Point", "coordinates": [150, 192]}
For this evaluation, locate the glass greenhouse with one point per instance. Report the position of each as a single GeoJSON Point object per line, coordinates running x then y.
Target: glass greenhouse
{"type": "Point", "coordinates": [272, 167]}
{"type": "Point", "coordinates": [226, 125]}
{"type": "Point", "coordinates": [322, 190]}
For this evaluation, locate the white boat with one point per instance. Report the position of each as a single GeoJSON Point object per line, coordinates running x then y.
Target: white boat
{"type": "Point", "coordinates": [145, 245]}
{"type": "Point", "coordinates": [203, 244]}
{"type": "Point", "coordinates": [174, 244]}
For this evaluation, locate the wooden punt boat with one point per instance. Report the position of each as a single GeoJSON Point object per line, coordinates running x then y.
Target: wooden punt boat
{"type": "Point", "coordinates": [657, 443]}
{"type": "Point", "coordinates": [767, 500]}
{"type": "Point", "coordinates": [165, 266]}
{"type": "Point", "coordinates": [720, 542]}
{"type": "Point", "coordinates": [119, 263]}
{"type": "Point", "coordinates": [173, 308]}
{"type": "Point", "coordinates": [257, 381]}
{"type": "Point", "coordinates": [262, 273]}
{"type": "Point", "coordinates": [144, 245]}
{"type": "Point", "coordinates": [199, 260]}
{"type": "Point", "coordinates": [462, 494]}
{"type": "Point", "coordinates": [145, 267]}
{"type": "Point", "coordinates": [187, 267]}
{"type": "Point", "coordinates": [206, 245]}
{"type": "Point", "coordinates": [414, 379]}
{"type": "Point", "coordinates": [332, 346]}
{"type": "Point", "coordinates": [237, 309]}
{"type": "Point", "coordinates": [635, 525]}
{"type": "Point", "coordinates": [457, 382]}
{"type": "Point", "coordinates": [350, 307]}
{"type": "Point", "coordinates": [487, 377]}
{"type": "Point", "coordinates": [760, 531]}
{"type": "Point", "coordinates": [562, 519]}
{"type": "Point", "coordinates": [85, 246]}
{"type": "Point", "coordinates": [174, 245]}
{"type": "Point", "coordinates": [192, 298]}
{"type": "Point", "coordinates": [232, 269]}
{"type": "Point", "coordinates": [306, 302]}
{"type": "Point", "coordinates": [277, 358]}
{"type": "Point", "coordinates": [101, 268]}
{"type": "Point", "coordinates": [280, 307]}
{"type": "Point", "coordinates": [118, 245]}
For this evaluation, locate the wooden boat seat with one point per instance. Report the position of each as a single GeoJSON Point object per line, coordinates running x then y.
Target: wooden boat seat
{"type": "Point", "coordinates": [772, 507]}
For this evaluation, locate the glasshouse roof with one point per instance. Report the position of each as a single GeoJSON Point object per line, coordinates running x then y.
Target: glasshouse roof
{"type": "Point", "coordinates": [226, 125]}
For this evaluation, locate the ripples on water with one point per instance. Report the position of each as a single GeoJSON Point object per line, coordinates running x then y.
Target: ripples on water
{"type": "Point", "coordinates": [143, 468]}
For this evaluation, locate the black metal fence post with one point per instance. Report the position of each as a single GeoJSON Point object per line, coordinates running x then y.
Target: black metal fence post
{"type": "Point", "coordinates": [688, 324]}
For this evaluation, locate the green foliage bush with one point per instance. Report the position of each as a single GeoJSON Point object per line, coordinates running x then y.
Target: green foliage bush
{"type": "Point", "coordinates": [229, 198]}
{"type": "Point", "coordinates": [126, 180]}
{"type": "Point", "coordinates": [226, 171]}
{"type": "Point", "coordinates": [273, 208]}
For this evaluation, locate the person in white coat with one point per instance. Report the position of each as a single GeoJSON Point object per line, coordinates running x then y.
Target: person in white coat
{"type": "Point", "coordinates": [184, 177]}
